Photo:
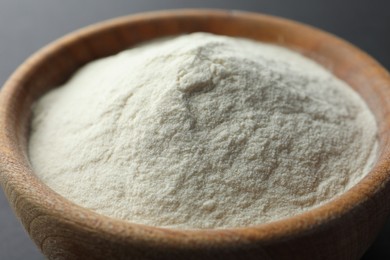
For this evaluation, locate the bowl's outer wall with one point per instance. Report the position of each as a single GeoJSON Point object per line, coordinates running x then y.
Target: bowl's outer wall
{"type": "Point", "coordinates": [342, 229]}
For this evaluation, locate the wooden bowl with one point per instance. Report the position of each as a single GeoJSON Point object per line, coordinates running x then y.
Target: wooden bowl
{"type": "Point", "coordinates": [341, 229]}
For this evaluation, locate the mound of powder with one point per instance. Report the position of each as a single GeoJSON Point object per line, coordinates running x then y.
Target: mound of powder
{"type": "Point", "coordinates": [202, 131]}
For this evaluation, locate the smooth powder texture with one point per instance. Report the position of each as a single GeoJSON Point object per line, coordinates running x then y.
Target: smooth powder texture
{"type": "Point", "coordinates": [202, 131]}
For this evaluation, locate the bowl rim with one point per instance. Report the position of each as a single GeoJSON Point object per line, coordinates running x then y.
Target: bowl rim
{"type": "Point", "coordinates": [375, 182]}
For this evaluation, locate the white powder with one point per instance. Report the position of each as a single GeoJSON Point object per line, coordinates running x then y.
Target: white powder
{"type": "Point", "coordinates": [202, 131]}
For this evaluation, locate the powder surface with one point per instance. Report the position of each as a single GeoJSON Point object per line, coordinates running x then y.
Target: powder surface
{"type": "Point", "coordinates": [202, 131]}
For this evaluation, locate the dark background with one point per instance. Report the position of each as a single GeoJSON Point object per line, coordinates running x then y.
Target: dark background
{"type": "Point", "coordinates": [26, 26]}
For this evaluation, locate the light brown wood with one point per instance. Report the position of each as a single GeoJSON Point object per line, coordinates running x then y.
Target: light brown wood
{"type": "Point", "coordinates": [341, 229]}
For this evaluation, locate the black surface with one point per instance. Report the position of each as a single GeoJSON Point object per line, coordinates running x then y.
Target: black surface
{"type": "Point", "coordinates": [26, 26]}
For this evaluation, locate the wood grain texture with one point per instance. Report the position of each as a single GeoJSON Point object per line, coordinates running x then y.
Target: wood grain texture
{"type": "Point", "coordinates": [341, 229]}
